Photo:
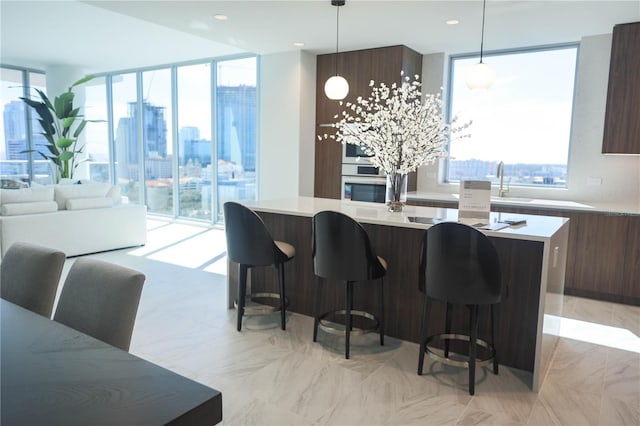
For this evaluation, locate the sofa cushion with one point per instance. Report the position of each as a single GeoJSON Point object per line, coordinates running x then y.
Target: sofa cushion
{"type": "Point", "coordinates": [15, 209]}
{"type": "Point", "coordinates": [115, 193]}
{"type": "Point", "coordinates": [27, 195]}
{"type": "Point", "coordinates": [68, 192]}
{"type": "Point", "coordinates": [89, 203]}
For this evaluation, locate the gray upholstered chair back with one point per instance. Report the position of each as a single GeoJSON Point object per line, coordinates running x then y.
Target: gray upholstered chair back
{"type": "Point", "coordinates": [29, 276]}
{"type": "Point", "coordinates": [101, 299]}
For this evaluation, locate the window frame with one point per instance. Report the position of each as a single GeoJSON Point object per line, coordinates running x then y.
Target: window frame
{"type": "Point", "coordinates": [213, 62]}
{"type": "Point", "coordinates": [443, 177]}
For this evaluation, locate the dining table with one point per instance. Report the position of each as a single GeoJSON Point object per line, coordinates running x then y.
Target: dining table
{"type": "Point", "coordinates": [51, 374]}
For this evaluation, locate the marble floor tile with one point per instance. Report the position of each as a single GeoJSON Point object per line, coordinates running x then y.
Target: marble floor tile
{"type": "Point", "coordinates": [622, 374]}
{"type": "Point", "coordinates": [505, 398]}
{"type": "Point", "coordinates": [595, 311]}
{"type": "Point", "coordinates": [620, 411]}
{"type": "Point", "coordinates": [627, 317]}
{"type": "Point", "coordinates": [312, 387]}
{"type": "Point", "coordinates": [260, 412]}
{"type": "Point", "coordinates": [273, 377]}
{"type": "Point", "coordinates": [559, 405]}
{"type": "Point", "coordinates": [578, 365]}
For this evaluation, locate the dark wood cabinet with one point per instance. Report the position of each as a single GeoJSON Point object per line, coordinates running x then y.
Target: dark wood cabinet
{"type": "Point", "coordinates": [622, 117]}
{"type": "Point", "coordinates": [603, 252]}
{"type": "Point", "coordinates": [382, 65]}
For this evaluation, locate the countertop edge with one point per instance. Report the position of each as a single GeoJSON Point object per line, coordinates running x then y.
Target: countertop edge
{"type": "Point", "coordinates": [588, 208]}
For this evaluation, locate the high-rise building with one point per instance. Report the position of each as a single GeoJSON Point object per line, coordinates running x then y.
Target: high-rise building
{"type": "Point", "coordinates": [236, 118]}
{"type": "Point", "coordinates": [196, 149]}
{"type": "Point", "coordinates": [154, 134]}
{"type": "Point", "coordinates": [15, 131]}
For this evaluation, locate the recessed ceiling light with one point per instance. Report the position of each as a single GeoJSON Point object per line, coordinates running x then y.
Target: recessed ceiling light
{"type": "Point", "coordinates": [452, 22]}
{"type": "Point", "coordinates": [221, 17]}
{"type": "Point", "coordinates": [298, 43]}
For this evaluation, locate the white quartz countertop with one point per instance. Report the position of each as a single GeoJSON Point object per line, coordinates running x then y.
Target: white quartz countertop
{"type": "Point", "coordinates": [628, 208]}
{"type": "Point", "coordinates": [536, 228]}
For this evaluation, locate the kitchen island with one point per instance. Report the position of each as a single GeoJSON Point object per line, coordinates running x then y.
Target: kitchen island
{"type": "Point", "coordinates": [532, 256]}
{"type": "Point", "coordinates": [603, 254]}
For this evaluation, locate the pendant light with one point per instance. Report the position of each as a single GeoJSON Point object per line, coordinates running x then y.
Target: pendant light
{"type": "Point", "coordinates": [336, 87]}
{"type": "Point", "coordinates": [481, 76]}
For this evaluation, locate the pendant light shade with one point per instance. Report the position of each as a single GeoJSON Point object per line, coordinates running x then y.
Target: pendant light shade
{"type": "Point", "coordinates": [481, 76]}
{"type": "Point", "coordinates": [336, 87]}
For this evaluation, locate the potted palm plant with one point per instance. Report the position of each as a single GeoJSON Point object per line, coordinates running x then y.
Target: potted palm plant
{"type": "Point", "coordinates": [61, 125]}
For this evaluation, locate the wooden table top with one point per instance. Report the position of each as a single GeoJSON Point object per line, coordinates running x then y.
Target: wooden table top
{"type": "Point", "coordinates": [54, 375]}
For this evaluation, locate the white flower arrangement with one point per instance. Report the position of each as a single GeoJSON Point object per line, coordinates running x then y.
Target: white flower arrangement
{"type": "Point", "coordinates": [394, 126]}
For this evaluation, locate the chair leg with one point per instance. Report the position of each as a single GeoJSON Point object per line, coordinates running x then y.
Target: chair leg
{"type": "Point", "coordinates": [283, 311]}
{"type": "Point", "coordinates": [493, 340]}
{"type": "Point", "coordinates": [381, 312]}
{"type": "Point", "coordinates": [242, 289]}
{"type": "Point", "coordinates": [316, 309]}
{"type": "Point", "coordinates": [473, 336]}
{"type": "Point", "coordinates": [423, 334]}
{"type": "Point", "coordinates": [347, 328]}
{"type": "Point", "coordinates": [447, 328]}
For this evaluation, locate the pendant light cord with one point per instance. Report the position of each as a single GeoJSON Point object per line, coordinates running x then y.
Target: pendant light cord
{"type": "Point", "coordinates": [337, 34]}
{"type": "Point", "coordinates": [484, 3]}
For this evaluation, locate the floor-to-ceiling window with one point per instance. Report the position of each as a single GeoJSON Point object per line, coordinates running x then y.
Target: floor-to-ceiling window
{"type": "Point", "coordinates": [179, 138]}
{"type": "Point", "coordinates": [125, 134]}
{"type": "Point", "coordinates": [21, 141]}
{"type": "Point", "coordinates": [157, 140]}
{"type": "Point", "coordinates": [195, 143]}
{"type": "Point", "coordinates": [195, 127]}
{"type": "Point", "coordinates": [236, 130]}
{"type": "Point", "coordinates": [96, 132]}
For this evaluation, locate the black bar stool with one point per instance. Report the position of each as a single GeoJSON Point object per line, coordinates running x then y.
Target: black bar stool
{"type": "Point", "coordinates": [460, 265]}
{"type": "Point", "coordinates": [249, 244]}
{"type": "Point", "coordinates": [342, 251]}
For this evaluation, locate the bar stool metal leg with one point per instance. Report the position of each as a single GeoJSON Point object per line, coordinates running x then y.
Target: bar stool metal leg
{"type": "Point", "coordinates": [316, 309]}
{"type": "Point", "coordinates": [242, 290]}
{"type": "Point", "coordinates": [493, 340]}
{"type": "Point", "coordinates": [381, 320]}
{"type": "Point", "coordinates": [348, 325]}
{"type": "Point", "coordinates": [473, 325]}
{"type": "Point", "coordinates": [447, 328]}
{"type": "Point", "coordinates": [423, 334]}
{"type": "Point", "coordinates": [283, 312]}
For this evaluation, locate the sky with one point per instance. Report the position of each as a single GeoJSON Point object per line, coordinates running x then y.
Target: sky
{"type": "Point", "coordinates": [526, 116]}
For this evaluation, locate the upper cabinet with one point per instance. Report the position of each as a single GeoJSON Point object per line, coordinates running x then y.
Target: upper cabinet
{"type": "Point", "coordinates": [622, 119]}
{"type": "Point", "coordinates": [382, 65]}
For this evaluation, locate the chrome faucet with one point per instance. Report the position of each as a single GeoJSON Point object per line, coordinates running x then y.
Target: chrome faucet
{"type": "Point", "coordinates": [500, 175]}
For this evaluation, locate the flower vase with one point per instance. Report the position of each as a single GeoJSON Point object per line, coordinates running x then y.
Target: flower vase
{"type": "Point", "coordinates": [396, 196]}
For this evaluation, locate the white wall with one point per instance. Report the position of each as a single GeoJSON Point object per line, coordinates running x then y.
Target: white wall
{"type": "Point", "coordinates": [307, 124]}
{"type": "Point", "coordinates": [620, 174]}
{"type": "Point", "coordinates": [59, 78]}
{"type": "Point", "coordinates": [287, 105]}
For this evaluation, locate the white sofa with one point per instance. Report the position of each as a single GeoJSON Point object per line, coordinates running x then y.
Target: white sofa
{"type": "Point", "coordinates": [76, 219]}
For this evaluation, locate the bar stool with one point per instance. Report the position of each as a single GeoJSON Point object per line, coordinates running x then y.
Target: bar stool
{"type": "Point", "coordinates": [342, 251]}
{"type": "Point", "coordinates": [460, 265]}
{"type": "Point", "coordinates": [249, 244]}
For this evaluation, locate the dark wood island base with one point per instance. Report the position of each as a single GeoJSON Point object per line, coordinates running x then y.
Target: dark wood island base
{"type": "Point", "coordinates": [533, 267]}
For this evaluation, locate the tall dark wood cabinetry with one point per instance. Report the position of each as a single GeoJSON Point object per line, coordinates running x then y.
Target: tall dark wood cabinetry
{"type": "Point", "coordinates": [622, 119]}
{"type": "Point", "coordinates": [382, 65]}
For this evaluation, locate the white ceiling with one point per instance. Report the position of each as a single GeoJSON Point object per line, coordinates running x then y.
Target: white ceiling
{"type": "Point", "coordinates": [114, 35]}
